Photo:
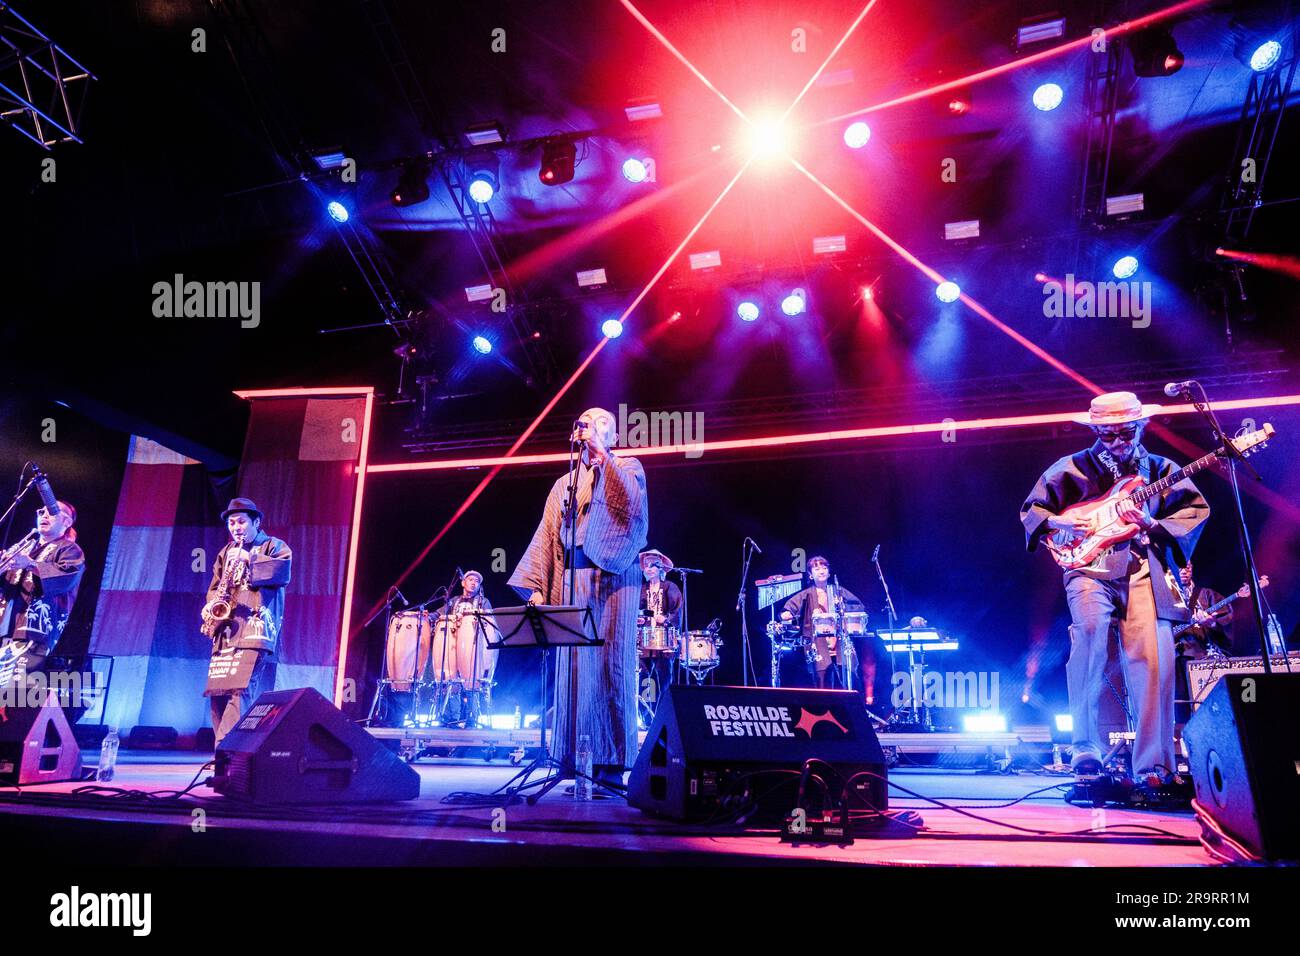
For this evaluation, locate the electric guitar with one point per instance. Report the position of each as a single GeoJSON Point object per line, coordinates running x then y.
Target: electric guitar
{"type": "Point", "coordinates": [1241, 592]}
{"type": "Point", "coordinates": [1073, 550]}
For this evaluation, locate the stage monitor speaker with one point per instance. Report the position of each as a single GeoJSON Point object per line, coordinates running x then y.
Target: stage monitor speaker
{"type": "Point", "coordinates": [1243, 746]}
{"type": "Point", "coordinates": [36, 742]}
{"type": "Point", "coordinates": [294, 746]}
{"type": "Point", "coordinates": [713, 750]}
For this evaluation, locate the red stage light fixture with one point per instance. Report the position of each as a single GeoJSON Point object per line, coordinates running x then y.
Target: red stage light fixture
{"type": "Point", "coordinates": [558, 159]}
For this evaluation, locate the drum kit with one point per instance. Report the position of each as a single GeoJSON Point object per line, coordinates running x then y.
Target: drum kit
{"type": "Point", "coordinates": [437, 670]}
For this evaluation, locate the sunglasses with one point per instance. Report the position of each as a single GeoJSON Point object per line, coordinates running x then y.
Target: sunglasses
{"type": "Point", "coordinates": [1126, 434]}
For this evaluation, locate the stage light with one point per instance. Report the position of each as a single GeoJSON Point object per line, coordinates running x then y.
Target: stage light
{"type": "Point", "coordinates": [947, 291]}
{"type": "Point", "coordinates": [482, 171]}
{"type": "Point", "coordinates": [1036, 31]}
{"type": "Point", "coordinates": [984, 723]}
{"type": "Point", "coordinates": [1124, 267]}
{"type": "Point", "coordinates": [1155, 53]}
{"type": "Point", "coordinates": [1048, 97]}
{"type": "Point", "coordinates": [481, 345]}
{"type": "Point", "coordinates": [338, 212]}
{"type": "Point", "coordinates": [867, 293]}
{"type": "Point", "coordinates": [747, 311]}
{"type": "Point", "coordinates": [1065, 723]}
{"type": "Point", "coordinates": [611, 328]}
{"type": "Point", "coordinates": [959, 105]}
{"type": "Point", "coordinates": [482, 188]}
{"type": "Point", "coordinates": [1265, 56]}
{"type": "Point", "coordinates": [412, 186]}
{"type": "Point", "coordinates": [856, 135]}
{"type": "Point", "coordinates": [767, 138]}
{"type": "Point", "coordinates": [328, 160]}
{"type": "Point", "coordinates": [966, 229]}
{"type": "Point", "coordinates": [642, 109]}
{"type": "Point", "coordinates": [795, 303]}
{"type": "Point", "coordinates": [829, 245]}
{"type": "Point", "coordinates": [591, 278]}
{"type": "Point", "coordinates": [479, 293]}
{"type": "Point", "coordinates": [706, 260]}
{"type": "Point", "coordinates": [634, 170]}
{"type": "Point", "coordinates": [1125, 205]}
{"type": "Point", "coordinates": [485, 134]}
{"type": "Point", "coordinates": [558, 159]}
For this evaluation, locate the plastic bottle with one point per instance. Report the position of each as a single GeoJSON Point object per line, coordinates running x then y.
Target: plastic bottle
{"type": "Point", "coordinates": [107, 756]}
{"type": "Point", "coordinates": [582, 780]}
{"type": "Point", "coordinates": [519, 718]}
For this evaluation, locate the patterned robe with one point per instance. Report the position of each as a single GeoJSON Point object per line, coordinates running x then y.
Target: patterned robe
{"type": "Point", "coordinates": [612, 522]}
{"type": "Point", "coordinates": [258, 613]}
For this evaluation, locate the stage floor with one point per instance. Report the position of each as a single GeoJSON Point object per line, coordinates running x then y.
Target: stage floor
{"type": "Point", "coordinates": [140, 825]}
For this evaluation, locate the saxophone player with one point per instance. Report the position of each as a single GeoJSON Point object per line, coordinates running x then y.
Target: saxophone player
{"type": "Point", "coordinates": [243, 614]}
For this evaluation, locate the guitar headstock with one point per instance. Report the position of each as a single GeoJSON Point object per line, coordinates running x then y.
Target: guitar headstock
{"type": "Point", "coordinates": [1252, 442]}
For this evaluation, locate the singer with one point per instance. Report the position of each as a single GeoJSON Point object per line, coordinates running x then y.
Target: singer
{"type": "Point", "coordinates": [38, 586]}
{"type": "Point", "coordinates": [249, 576]}
{"type": "Point", "coordinates": [610, 524]}
{"type": "Point", "coordinates": [1115, 592]}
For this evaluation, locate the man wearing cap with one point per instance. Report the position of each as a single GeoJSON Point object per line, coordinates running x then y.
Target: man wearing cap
{"type": "Point", "coordinates": [609, 527]}
{"type": "Point", "coordinates": [244, 645]}
{"type": "Point", "coordinates": [1116, 589]}
{"type": "Point", "coordinates": [460, 650]}
{"type": "Point", "coordinates": [661, 605]}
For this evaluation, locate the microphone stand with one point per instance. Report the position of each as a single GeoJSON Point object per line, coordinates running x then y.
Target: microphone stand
{"type": "Point", "coordinates": [746, 555]}
{"type": "Point", "coordinates": [686, 619]}
{"type": "Point", "coordinates": [917, 702]}
{"type": "Point", "coordinates": [1233, 457]}
{"type": "Point", "coordinates": [384, 676]}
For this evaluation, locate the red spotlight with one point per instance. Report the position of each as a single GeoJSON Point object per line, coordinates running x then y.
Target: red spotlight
{"type": "Point", "coordinates": [867, 294]}
{"type": "Point", "coordinates": [675, 317]}
{"type": "Point", "coordinates": [959, 103]}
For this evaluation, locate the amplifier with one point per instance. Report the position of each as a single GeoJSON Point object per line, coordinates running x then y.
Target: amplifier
{"type": "Point", "coordinates": [713, 752]}
{"type": "Point", "coordinates": [1202, 675]}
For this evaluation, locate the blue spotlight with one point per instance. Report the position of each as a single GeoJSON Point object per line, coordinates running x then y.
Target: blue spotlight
{"type": "Point", "coordinates": [1265, 56]}
{"type": "Point", "coordinates": [338, 212]}
{"type": "Point", "coordinates": [481, 345]}
{"type": "Point", "coordinates": [794, 303]}
{"type": "Point", "coordinates": [612, 328]}
{"type": "Point", "coordinates": [1124, 267]}
{"type": "Point", "coordinates": [482, 188]}
{"type": "Point", "coordinates": [747, 310]}
{"type": "Point", "coordinates": [947, 291]}
{"type": "Point", "coordinates": [634, 170]}
{"type": "Point", "coordinates": [856, 135]}
{"type": "Point", "coordinates": [1048, 97]}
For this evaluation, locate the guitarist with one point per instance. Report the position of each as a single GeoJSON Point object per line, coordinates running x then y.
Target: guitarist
{"type": "Point", "coordinates": [1210, 630]}
{"type": "Point", "coordinates": [1116, 589]}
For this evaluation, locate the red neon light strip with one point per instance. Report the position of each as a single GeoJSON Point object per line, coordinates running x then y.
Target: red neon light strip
{"type": "Point", "coordinates": [1130, 25]}
{"type": "Point", "coordinates": [809, 438]}
{"type": "Point", "coordinates": [677, 53]}
{"type": "Point", "coordinates": [935, 277]}
{"type": "Point", "coordinates": [825, 63]}
{"type": "Point", "coordinates": [307, 392]}
{"type": "Point", "coordinates": [349, 577]}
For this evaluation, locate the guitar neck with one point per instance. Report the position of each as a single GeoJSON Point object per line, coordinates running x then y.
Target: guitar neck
{"type": "Point", "coordinates": [1164, 484]}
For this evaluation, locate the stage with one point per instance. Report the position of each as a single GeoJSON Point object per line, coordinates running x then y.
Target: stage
{"type": "Point", "coordinates": [136, 819]}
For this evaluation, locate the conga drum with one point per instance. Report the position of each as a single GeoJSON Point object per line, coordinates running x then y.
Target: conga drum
{"type": "Point", "coordinates": [407, 652]}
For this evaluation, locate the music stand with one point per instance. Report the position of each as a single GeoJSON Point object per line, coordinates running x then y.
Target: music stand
{"type": "Point", "coordinates": [544, 626]}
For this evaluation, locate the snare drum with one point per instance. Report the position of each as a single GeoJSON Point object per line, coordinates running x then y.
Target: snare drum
{"type": "Point", "coordinates": [655, 640]}
{"type": "Point", "coordinates": [855, 622]}
{"type": "Point", "coordinates": [700, 650]}
{"type": "Point", "coordinates": [407, 654]}
{"type": "Point", "coordinates": [823, 624]}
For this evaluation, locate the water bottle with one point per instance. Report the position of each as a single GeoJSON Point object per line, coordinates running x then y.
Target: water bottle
{"type": "Point", "coordinates": [519, 719]}
{"type": "Point", "coordinates": [582, 779]}
{"type": "Point", "coordinates": [107, 756]}
{"type": "Point", "coordinates": [1056, 755]}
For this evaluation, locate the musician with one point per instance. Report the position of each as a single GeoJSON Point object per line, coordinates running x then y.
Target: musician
{"type": "Point", "coordinates": [244, 645]}
{"type": "Point", "coordinates": [822, 597]}
{"type": "Point", "coordinates": [609, 527]}
{"type": "Point", "coordinates": [37, 591]}
{"type": "Point", "coordinates": [1211, 630]}
{"type": "Point", "coordinates": [471, 623]}
{"type": "Point", "coordinates": [661, 600]}
{"type": "Point", "coordinates": [1116, 590]}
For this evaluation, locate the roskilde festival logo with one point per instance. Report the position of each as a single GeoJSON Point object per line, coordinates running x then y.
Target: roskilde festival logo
{"type": "Point", "coordinates": [730, 720]}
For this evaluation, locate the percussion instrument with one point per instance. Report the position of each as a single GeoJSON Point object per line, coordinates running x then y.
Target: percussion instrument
{"type": "Point", "coordinates": [823, 624]}
{"type": "Point", "coordinates": [855, 622]}
{"type": "Point", "coordinates": [654, 640]}
{"type": "Point", "coordinates": [700, 650]}
{"type": "Point", "coordinates": [407, 650]}
{"type": "Point", "coordinates": [784, 637]}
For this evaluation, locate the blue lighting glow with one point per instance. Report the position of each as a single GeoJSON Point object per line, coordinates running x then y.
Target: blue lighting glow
{"type": "Point", "coordinates": [1048, 97]}
{"type": "Point", "coordinates": [986, 722]}
{"type": "Point", "coordinates": [481, 189]}
{"type": "Point", "coordinates": [747, 311]}
{"type": "Point", "coordinates": [338, 212]}
{"type": "Point", "coordinates": [1266, 56]}
{"type": "Point", "coordinates": [856, 135]}
{"type": "Point", "coordinates": [1124, 267]}
{"type": "Point", "coordinates": [482, 345]}
{"type": "Point", "coordinates": [794, 303]}
{"type": "Point", "coordinates": [634, 170]}
{"type": "Point", "coordinates": [947, 291]}
{"type": "Point", "coordinates": [612, 328]}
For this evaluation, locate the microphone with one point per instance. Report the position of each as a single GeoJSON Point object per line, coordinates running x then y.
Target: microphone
{"type": "Point", "coordinates": [875, 555]}
{"type": "Point", "coordinates": [46, 492]}
{"type": "Point", "coordinates": [753, 544]}
{"type": "Point", "coordinates": [401, 597]}
{"type": "Point", "coordinates": [1174, 389]}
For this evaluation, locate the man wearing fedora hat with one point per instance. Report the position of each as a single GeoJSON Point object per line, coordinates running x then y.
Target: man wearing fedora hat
{"type": "Point", "coordinates": [1115, 591]}
{"type": "Point", "coordinates": [244, 644]}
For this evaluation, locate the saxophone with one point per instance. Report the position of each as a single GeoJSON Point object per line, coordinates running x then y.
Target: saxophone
{"type": "Point", "coordinates": [233, 579]}
{"type": "Point", "coordinates": [9, 574]}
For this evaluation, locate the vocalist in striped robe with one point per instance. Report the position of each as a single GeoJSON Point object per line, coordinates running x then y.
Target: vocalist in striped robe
{"type": "Point", "coordinates": [611, 523]}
